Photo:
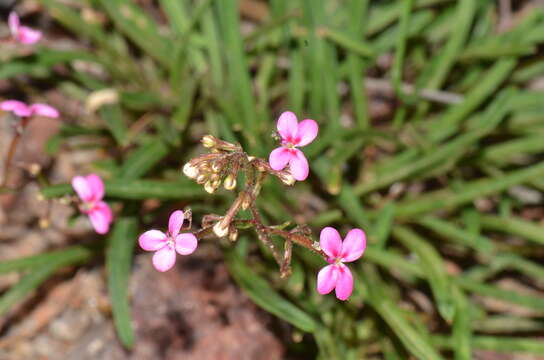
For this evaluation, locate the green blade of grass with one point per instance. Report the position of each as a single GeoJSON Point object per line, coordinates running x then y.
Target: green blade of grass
{"type": "Point", "coordinates": [118, 264]}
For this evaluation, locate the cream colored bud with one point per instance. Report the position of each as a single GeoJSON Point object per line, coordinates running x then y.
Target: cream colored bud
{"type": "Point", "coordinates": [220, 230]}
{"type": "Point", "coordinates": [201, 179]}
{"type": "Point", "coordinates": [245, 203]}
{"type": "Point", "coordinates": [230, 182]}
{"type": "Point", "coordinates": [44, 223]}
{"type": "Point", "coordinates": [216, 166]}
{"type": "Point", "coordinates": [233, 234]}
{"type": "Point", "coordinates": [288, 179]}
{"type": "Point", "coordinates": [208, 186]}
{"type": "Point", "coordinates": [208, 141]}
{"type": "Point", "coordinates": [250, 158]}
{"type": "Point", "coordinates": [190, 171]}
{"type": "Point", "coordinates": [216, 183]}
{"type": "Point", "coordinates": [34, 169]}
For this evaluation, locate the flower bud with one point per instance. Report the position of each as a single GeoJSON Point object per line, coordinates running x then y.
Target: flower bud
{"type": "Point", "coordinates": [208, 186]}
{"type": "Point", "coordinates": [190, 171]}
{"type": "Point", "coordinates": [233, 234]}
{"type": "Point", "coordinates": [201, 179]}
{"type": "Point", "coordinates": [216, 166]}
{"type": "Point", "coordinates": [245, 203]}
{"type": "Point", "coordinates": [220, 230]}
{"type": "Point", "coordinates": [208, 141]}
{"type": "Point", "coordinates": [230, 182]}
{"type": "Point", "coordinates": [287, 178]}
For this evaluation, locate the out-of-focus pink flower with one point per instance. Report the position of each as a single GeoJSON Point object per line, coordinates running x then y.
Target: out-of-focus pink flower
{"type": "Point", "coordinates": [167, 244]}
{"type": "Point", "coordinates": [22, 34]}
{"type": "Point", "coordinates": [90, 190]}
{"type": "Point", "coordinates": [21, 109]}
{"type": "Point", "coordinates": [337, 275]}
{"type": "Point", "coordinates": [293, 134]}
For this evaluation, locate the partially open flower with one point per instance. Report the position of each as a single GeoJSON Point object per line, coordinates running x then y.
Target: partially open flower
{"type": "Point", "coordinates": [166, 245]}
{"type": "Point", "coordinates": [20, 33]}
{"type": "Point", "coordinates": [90, 190]}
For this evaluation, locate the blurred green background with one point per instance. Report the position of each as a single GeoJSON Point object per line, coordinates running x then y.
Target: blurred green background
{"type": "Point", "coordinates": [431, 140]}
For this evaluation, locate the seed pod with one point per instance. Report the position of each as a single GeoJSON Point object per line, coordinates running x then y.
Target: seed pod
{"type": "Point", "coordinates": [230, 182]}
{"type": "Point", "coordinates": [209, 141]}
{"type": "Point", "coordinates": [190, 171]}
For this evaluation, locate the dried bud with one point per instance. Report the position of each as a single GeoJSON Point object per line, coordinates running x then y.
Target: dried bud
{"type": "Point", "coordinates": [208, 186]}
{"type": "Point", "coordinates": [209, 141]}
{"type": "Point", "coordinates": [230, 182]}
{"type": "Point", "coordinates": [220, 230]}
{"type": "Point", "coordinates": [190, 171]}
{"type": "Point", "coordinates": [233, 234]}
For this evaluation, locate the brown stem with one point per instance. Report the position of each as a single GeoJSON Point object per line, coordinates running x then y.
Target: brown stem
{"type": "Point", "coordinates": [13, 149]}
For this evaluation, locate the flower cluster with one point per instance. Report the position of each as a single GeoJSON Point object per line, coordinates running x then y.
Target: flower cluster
{"type": "Point", "coordinates": [222, 165]}
{"type": "Point", "coordinates": [23, 110]}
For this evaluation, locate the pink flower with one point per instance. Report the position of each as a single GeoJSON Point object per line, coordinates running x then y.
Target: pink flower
{"type": "Point", "coordinates": [337, 275]}
{"type": "Point", "coordinates": [90, 190]}
{"type": "Point", "coordinates": [22, 34]}
{"type": "Point", "coordinates": [21, 109]}
{"type": "Point", "coordinates": [293, 134]}
{"type": "Point", "coordinates": [166, 245]}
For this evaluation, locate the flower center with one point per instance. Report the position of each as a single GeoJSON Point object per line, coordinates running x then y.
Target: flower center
{"type": "Point", "coordinates": [338, 261]}
{"type": "Point", "coordinates": [87, 207]}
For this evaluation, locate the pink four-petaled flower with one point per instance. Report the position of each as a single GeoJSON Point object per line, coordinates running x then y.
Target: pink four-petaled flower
{"type": "Point", "coordinates": [21, 109]}
{"type": "Point", "coordinates": [293, 134]}
{"type": "Point", "coordinates": [90, 190]}
{"type": "Point", "coordinates": [166, 245]}
{"type": "Point", "coordinates": [337, 275]}
{"type": "Point", "coordinates": [20, 33]}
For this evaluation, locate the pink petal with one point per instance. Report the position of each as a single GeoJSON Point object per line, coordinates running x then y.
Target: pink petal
{"type": "Point", "coordinates": [100, 219]}
{"type": "Point", "coordinates": [344, 283]}
{"type": "Point", "coordinates": [82, 188]}
{"type": "Point", "coordinates": [105, 209]}
{"type": "Point", "coordinates": [354, 245]}
{"type": "Point", "coordinates": [96, 185]}
{"type": "Point", "coordinates": [175, 222]}
{"type": "Point", "coordinates": [152, 240]}
{"type": "Point", "coordinates": [19, 108]}
{"type": "Point", "coordinates": [186, 244]}
{"type": "Point", "coordinates": [164, 259]}
{"type": "Point", "coordinates": [28, 36]}
{"type": "Point", "coordinates": [330, 242]}
{"type": "Point", "coordinates": [13, 22]}
{"type": "Point", "coordinates": [287, 126]}
{"type": "Point", "coordinates": [307, 132]}
{"type": "Point", "coordinates": [299, 165]}
{"type": "Point", "coordinates": [44, 110]}
{"type": "Point", "coordinates": [279, 158]}
{"type": "Point", "coordinates": [326, 279]}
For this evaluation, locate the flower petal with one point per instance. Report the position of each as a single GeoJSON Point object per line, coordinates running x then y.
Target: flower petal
{"type": "Point", "coordinates": [100, 219]}
{"type": "Point", "coordinates": [354, 245]}
{"type": "Point", "coordinates": [279, 158]}
{"type": "Point", "coordinates": [82, 188]}
{"type": "Point", "coordinates": [28, 36]}
{"type": "Point", "coordinates": [287, 126]}
{"type": "Point", "coordinates": [330, 242]}
{"type": "Point", "coordinates": [19, 108]}
{"type": "Point", "coordinates": [175, 222]}
{"type": "Point", "coordinates": [299, 165]}
{"type": "Point", "coordinates": [186, 244]}
{"type": "Point", "coordinates": [96, 185]}
{"type": "Point", "coordinates": [326, 279]}
{"type": "Point", "coordinates": [105, 209]}
{"type": "Point", "coordinates": [44, 110]}
{"type": "Point", "coordinates": [344, 283]}
{"type": "Point", "coordinates": [164, 259]}
{"type": "Point", "coordinates": [13, 23]}
{"type": "Point", "coordinates": [307, 132]}
{"type": "Point", "coordinates": [152, 240]}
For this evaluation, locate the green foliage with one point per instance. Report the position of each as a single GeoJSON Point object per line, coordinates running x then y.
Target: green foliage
{"type": "Point", "coordinates": [413, 180]}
